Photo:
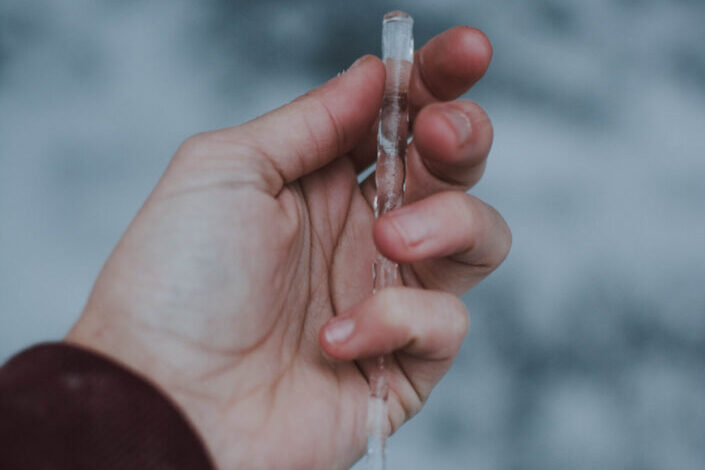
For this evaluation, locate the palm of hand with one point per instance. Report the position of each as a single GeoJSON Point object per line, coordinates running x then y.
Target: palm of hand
{"type": "Point", "coordinates": [258, 235]}
{"type": "Point", "coordinates": [308, 256]}
{"type": "Point", "coordinates": [292, 262]}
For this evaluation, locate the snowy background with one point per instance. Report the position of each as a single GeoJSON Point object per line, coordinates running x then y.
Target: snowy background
{"type": "Point", "coordinates": [588, 345]}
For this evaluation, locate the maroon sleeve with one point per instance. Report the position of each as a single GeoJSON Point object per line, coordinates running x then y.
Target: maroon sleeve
{"type": "Point", "coordinates": [62, 407]}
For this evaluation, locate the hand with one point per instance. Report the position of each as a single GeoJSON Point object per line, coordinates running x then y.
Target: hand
{"type": "Point", "coordinates": [252, 257]}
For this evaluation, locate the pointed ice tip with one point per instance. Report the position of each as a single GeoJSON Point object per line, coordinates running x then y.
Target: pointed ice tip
{"type": "Point", "coordinates": [396, 15]}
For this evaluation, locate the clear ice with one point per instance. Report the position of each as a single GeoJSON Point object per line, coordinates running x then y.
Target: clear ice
{"type": "Point", "coordinates": [398, 56]}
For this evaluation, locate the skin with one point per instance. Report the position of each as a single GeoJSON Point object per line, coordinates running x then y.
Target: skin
{"type": "Point", "coordinates": [242, 287]}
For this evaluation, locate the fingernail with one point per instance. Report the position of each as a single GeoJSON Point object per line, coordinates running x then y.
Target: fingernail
{"type": "Point", "coordinates": [357, 62]}
{"type": "Point", "coordinates": [412, 228]}
{"type": "Point", "coordinates": [461, 124]}
{"type": "Point", "coordinates": [339, 330]}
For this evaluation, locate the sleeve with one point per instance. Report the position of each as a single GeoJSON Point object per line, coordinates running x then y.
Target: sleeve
{"type": "Point", "coordinates": [62, 407]}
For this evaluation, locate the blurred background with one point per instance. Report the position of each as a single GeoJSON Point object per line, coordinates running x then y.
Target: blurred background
{"type": "Point", "coordinates": [588, 345]}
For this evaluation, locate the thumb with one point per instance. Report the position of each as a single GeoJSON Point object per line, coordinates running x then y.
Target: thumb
{"type": "Point", "coordinates": [319, 126]}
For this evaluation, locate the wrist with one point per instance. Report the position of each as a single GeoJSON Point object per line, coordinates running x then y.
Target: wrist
{"type": "Point", "coordinates": [162, 365]}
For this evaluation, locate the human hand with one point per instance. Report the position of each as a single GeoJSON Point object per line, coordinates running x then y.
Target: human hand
{"type": "Point", "coordinates": [253, 255]}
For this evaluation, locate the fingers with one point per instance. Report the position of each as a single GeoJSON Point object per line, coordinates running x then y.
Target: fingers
{"type": "Point", "coordinates": [449, 152]}
{"type": "Point", "coordinates": [317, 127]}
{"type": "Point", "coordinates": [448, 65]}
{"type": "Point", "coordinates": [425, 324]}
{"type": "Point", "coordinates": [451, 145]}
{"type": "Point", "coordinates": [453, 239]}
{"type": "Point", "coordinates": [444, 68]}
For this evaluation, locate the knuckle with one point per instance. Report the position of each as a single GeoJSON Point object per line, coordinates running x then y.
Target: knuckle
{"type": "Point", "coordinates": [234, 159]}
{"type": "Point", "coordinates": [195, 147]}
{"type": "Point", "coordinates": [458, 317]}
{"type": "Point", "coordinates": [487, 237]}
{"type": "Point", "coordinates": [468, 211]}
{"type": "Point", "coordinates": [330, 122]}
